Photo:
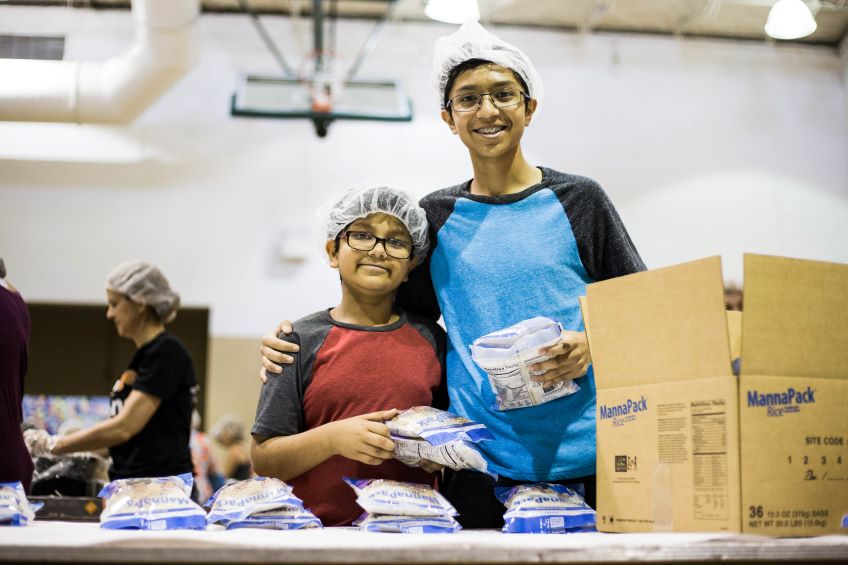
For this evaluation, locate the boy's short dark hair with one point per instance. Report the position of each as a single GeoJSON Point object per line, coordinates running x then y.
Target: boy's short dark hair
{"type": "Point", "coordinates": [472, 64]}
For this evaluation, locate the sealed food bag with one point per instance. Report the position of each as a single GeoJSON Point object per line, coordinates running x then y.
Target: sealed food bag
{"type": "Point", "coordinates": [407, 524]}
{"type": "Point", "coordinates": [424, 433]}
{"type": "Point", "coordinates": [159, 503]}
{"type": "Point", "coordinates": [236, 501]}
{"type": "Point", "coordinates": [456, 454]}
{"type": "Point", "coordinates": [283, 518]}
{"type": "Point", "coordinates": [545, 508]}
{"type": "Point", "coordinates": [437, 426]}
{"type": "Point", "coordinates": [15, 509]}
{"type": "Point", "coordinates": [505, 355]}
{"type": "Point", "coordinates": [383, 496]}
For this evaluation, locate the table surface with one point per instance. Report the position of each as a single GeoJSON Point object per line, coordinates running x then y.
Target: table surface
{"type": "Point", "coordinates": [75, 542]}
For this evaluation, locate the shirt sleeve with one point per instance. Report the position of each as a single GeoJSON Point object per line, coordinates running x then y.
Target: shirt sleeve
{"type": "Point", "coordinates": [605, 247]}
{"type": "Point", "coordinates": [280, 408]}
{"type": "Point", "coordinates": [161, 370]}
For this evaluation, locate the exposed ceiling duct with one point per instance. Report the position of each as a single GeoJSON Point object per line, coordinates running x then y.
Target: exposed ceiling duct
{"type": "Point", "coordinates": [117, 90]}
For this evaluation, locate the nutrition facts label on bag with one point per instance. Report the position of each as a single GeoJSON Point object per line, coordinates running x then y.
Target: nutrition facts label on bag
{"type": "Point", "coordinates": [709, 459]}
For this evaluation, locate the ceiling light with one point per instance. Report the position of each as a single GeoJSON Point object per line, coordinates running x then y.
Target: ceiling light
{"type": "Point", "coordinates": [790, 19]}
{"type": "Point", "coordinates": [452, 11]}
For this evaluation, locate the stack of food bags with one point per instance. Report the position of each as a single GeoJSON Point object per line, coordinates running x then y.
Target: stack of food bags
{"type": "Point", "coordinates": [15, 509]}
{"type": "Point", "coordinates": [156, 503]}
{"type": "Point", "coordinates": [409, 508]}
{"type": "Point", "coordinates": [545, 508]}
{"type": "Point", "coordinates": [260, 502]}
{"type": "Point", "coordinates": [423, 433]}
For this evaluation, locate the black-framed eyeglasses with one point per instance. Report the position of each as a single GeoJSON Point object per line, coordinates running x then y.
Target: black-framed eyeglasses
{"type": "Point", "coordinates": [471, 101]}
{"type": "Point", "coordinates": [364, 241]}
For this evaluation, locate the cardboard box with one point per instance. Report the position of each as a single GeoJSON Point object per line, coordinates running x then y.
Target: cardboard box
{"type": "Point", "coordinates": [683, 445]}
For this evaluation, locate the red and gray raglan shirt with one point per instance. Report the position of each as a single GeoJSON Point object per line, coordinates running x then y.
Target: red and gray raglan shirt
{"type": "Point", "coordinates": [496, 261]}
{"type": "Point", "coordinates": [344, 370]}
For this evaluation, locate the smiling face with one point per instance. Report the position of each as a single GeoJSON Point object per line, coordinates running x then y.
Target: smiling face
{"type": "Point", "coordinates": [373, 273]}
{"type": "Point", "coordinates": [489, 132]}
{"type": "Point", "coordinates": [127, 316]}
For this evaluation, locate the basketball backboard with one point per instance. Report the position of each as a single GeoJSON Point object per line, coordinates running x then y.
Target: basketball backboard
{"type": "Point", "coordinates": [272, 97]}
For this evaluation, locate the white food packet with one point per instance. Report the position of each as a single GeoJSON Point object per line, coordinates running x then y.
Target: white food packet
{"type": "Point", "coordinates": [505, 354]}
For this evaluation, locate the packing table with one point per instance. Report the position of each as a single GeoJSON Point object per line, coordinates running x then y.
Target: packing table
{"type": "Point", "coordinates": [78, 542]}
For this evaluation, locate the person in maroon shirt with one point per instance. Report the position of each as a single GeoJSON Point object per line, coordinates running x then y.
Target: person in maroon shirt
{"type": "Point", "coordinates": [358, 363]}
{"type": "Point", "coordinates": [15, 327]}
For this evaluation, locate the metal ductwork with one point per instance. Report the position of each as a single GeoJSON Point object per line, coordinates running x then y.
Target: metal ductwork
{"type": "Point", "coordinates": [117, 90]}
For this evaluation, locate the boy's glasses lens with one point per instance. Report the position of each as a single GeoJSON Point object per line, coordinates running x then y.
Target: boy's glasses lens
{"type": "Point", "coordinates": [364, 241]}
{"type": "Point", "coordinates": [472, 101]}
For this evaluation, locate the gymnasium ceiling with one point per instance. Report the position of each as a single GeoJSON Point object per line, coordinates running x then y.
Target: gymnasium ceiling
{"type": "Point", "coordinates": [730, 19]}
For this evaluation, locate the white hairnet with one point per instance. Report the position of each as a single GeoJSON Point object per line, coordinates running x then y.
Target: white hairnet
{"type": "Point", "coordinates": [144, 284]}
{"type": "Point", "coordinates": [360, 202]}
{"type": "Point", "coordinates": [471, 41]}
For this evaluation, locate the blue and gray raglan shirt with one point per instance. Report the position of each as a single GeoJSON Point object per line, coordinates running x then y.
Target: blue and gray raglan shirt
{"type": "Point", "coordinates": [497, 260]}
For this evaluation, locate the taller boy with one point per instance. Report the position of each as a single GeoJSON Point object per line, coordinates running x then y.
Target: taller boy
{"type": "Point", "coordinates": [515, 242]}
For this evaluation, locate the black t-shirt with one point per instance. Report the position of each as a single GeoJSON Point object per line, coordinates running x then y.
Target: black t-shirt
{"type": "Point", "coordinates": [163, 368]}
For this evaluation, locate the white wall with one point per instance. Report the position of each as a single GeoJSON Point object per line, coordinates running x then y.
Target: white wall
{"type": "Point", "coordinates": [843, 55]}
{"type": "Point", "coordinates": [706, 147]}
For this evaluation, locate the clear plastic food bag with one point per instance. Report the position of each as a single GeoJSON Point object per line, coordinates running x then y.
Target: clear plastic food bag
{"type": "Point", "coordinates": [505, 356]}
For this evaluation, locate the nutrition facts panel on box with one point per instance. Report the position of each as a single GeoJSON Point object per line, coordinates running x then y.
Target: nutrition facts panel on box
{"type": "Point", "coordinates": [709, 459]}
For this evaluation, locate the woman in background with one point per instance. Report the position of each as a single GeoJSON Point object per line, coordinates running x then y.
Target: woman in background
{"type": "Point", "coordinates": [150, 425]}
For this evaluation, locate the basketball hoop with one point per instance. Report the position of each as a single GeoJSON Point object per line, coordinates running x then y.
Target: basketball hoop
{"type": "Point", "coordinates": [319, 89]}
{"type": "Point", "coordinates": [320, 73]}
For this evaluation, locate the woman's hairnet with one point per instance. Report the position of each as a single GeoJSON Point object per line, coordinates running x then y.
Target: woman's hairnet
{"type": "Point", "coordinates": [145, 284]}
{"type": "Point", "coordinates": [471, 41]}
{"type": "Point", "coordinates": [360, 202]}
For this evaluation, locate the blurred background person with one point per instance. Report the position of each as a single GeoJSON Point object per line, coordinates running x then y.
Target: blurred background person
{"type": "Point", "coordinates": [15, 327]}
{"type": "Point", "coordinates": [151, 403]}
{"type": "Point", "coordinates": [206, 475]}
{"type": "Point", "coordinates": [235, 461]}
{"type": "Point", "coordinates": [733, 296]}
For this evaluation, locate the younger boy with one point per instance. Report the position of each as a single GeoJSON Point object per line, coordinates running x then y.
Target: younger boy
{"type": "Point", "coordinates": [358, 363]}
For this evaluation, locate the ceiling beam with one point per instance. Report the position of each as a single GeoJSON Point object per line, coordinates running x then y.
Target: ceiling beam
{"type": "Point", "coordinates": [594, 12]}
{"type": "Point", "coordinates": [708, 9]}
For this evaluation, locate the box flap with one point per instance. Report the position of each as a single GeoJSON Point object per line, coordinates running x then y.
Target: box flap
{"type": "Point", "coordinates": [796, 318]}
{"type": "Point", "coordinates": [658, 326]}
{"type": "Point", "coordinates": [734, 333]}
